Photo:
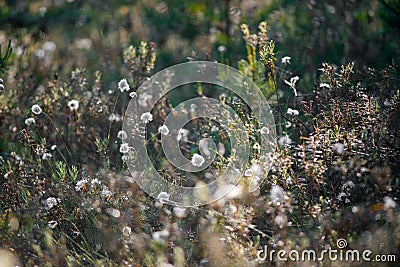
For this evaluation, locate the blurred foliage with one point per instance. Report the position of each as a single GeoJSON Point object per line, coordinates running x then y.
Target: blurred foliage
{"type": "Point", "coordinates": [64, 189]}
{"type": "Point", "coordinates": [93, 32]}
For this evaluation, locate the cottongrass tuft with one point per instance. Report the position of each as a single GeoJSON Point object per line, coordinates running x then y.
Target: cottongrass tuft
{"type": "Point", "coordinates": [248, 173]}
{"type": "Point", "coordinates": [197, 160]}
{"type": "Point", "coordinates": [113, 212]}
{"type": "Point", "coordinates": [52, 224]}
{"type": "Point", "coordinates": [284, 140]}
{"type": "Point", "coordinates": [73, 105]}
{"type": "Point", "coordinates": [292, 83]}
{"type": "Point", "coordinates": [36, 109]}
{"type": "Point", "coordinates": [30, 121]}
{"type": "Point", "coordinates": [286, 60]}
{"type": "Point", "coordinates": [163, 130]}
{"type": "Point", "coordinates": [122, 135]}
{"type": "Point", "coordinates": [126, 231]}
{"type": "Point", "coordinates": [124, 148]}
{"type": "Point", "coordinates": [338, 148]}
{"type": "Point", "coordinates": [163, 196]}
{"type": "Point", "coordinates": [51, 202]}
{"type": "Point", "coordinates": [389, 203]}
{"type": "Point", "coordinates": [292, 112]}
{"type": "Point", "coordinates": [146, 117]}
{"type": "Point", "coordinates": [123, 85]}
{"type": "Point", "coordinates": [276, 193]}
{"type": "Point", "coordinates": [81, 184]}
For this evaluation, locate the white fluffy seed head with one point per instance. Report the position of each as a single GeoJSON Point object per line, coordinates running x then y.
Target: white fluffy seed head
{"type": "Point", "coordinates": [124, 148]}
{"type": "Point", "coordinates": [123, 85]}
{"type": "Point", "coordinates": [197, 160]}
{"type": "Point", "coordinates": [146, 117]}
{"type": "Point", "coordinates": [122, 135]}
{"type": "Point", "coordinates": [36, 109]}
{"type": "Point", "coordinates": [163, 130]}
{"type": "Point", "coordinates": [30, 121]}
{"type": "Point", "coordinates": [73, 105]}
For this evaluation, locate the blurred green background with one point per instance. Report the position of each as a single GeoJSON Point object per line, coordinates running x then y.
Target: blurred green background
{"type": "Point", "coordinates": [93, 33]}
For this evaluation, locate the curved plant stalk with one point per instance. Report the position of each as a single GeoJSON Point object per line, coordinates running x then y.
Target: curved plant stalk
{"type": "Point", "coordinates": [4, 59]}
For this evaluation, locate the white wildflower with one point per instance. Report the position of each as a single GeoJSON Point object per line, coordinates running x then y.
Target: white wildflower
{"type": "Point", "coordinates": [36, 109]}
{"type": "Point", "coordinates": [122, 135]}
{"type": "Point", "coordinates": [284, 140]}
{"type": "Point", "coordinates": [288, 124]}
{"type": "Point", "coordinates": [280, 220]}
{"type": "Point", "coordinates": [113, 212]}
{"type": "Point", "coordinates": [125, 157]}
{"type": "Point", "coordinates": [257, 169]}
{"type": "Point", "coordinates": [124, 148]}
{"type": "Point", "coordinates": [286, 60]}
{"type": "Point", "coordinates": [46, 156]}
{"type": "Point", "coordinates": [389, 203]}
{"type": "Point", "coordinates": [163, 130]}
{"type": "Point", "coordinates": [133, 94]}
{"type": "Point", "coordinates": [40, 53]}
{"type": "Point", "coordinates": [126, 231]}
{"type": "Point", "coordinates": [51, 202]}
{"type": "Point", "coordinates": [338, 148]}
{"type": "Point", "coordinates": [292, 112]}
{"type": "Point", "coordinates": [81, 184]}
{"type": "Point", "coordinates": [114, 117]}
{"type": "Point", "coordinates": [161, 236]}
{"type": "Point", "coordinates": [123, 85]}
{"type": "Point", "coordinates": [324, 85]}
{"type": "Point", "coordinates": [214, 128]}
{"type": "Point", "coordinates": [197, 160]}
{"type": "Point", "coordinates": [276, 193]}
{"type": "Point", "coordinates": [183, 135]}
{"type": "Point", "coordinates": [73, 105]}
{"type": "Point", "coordinates": [343, 195]}
{"type": "Point", "coordinates": [248, 173]}
{"type": "Point", "coordinates": [292, 84]}
{"type": "Point", "coordinates": [30, 121]}
{"type": "Point", "coordinates": [144, 98]}
{"type": "Point", "coordinates": [146, 117]}
{"type": "Point", "coordinates": [49, 46]}
{"type": "Point", "coordinates": [264, 130]}
{"type": "Point", "coordinates": [348, 185]}
{"type": "Point", "coordinates": [105, 192]}
{"type": "Point", "coordinates": [52, 224]}
{"type": "Point", "coordinates": [95, 182]}
{"type": "Point", "coordinates": [179, 212]}
{"type": "Point", "coordinates": [221, 49]}
{"type": "Point", "coordinates": [53, 147]}
{"type": "Point", "coordinates": [163, 196]}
